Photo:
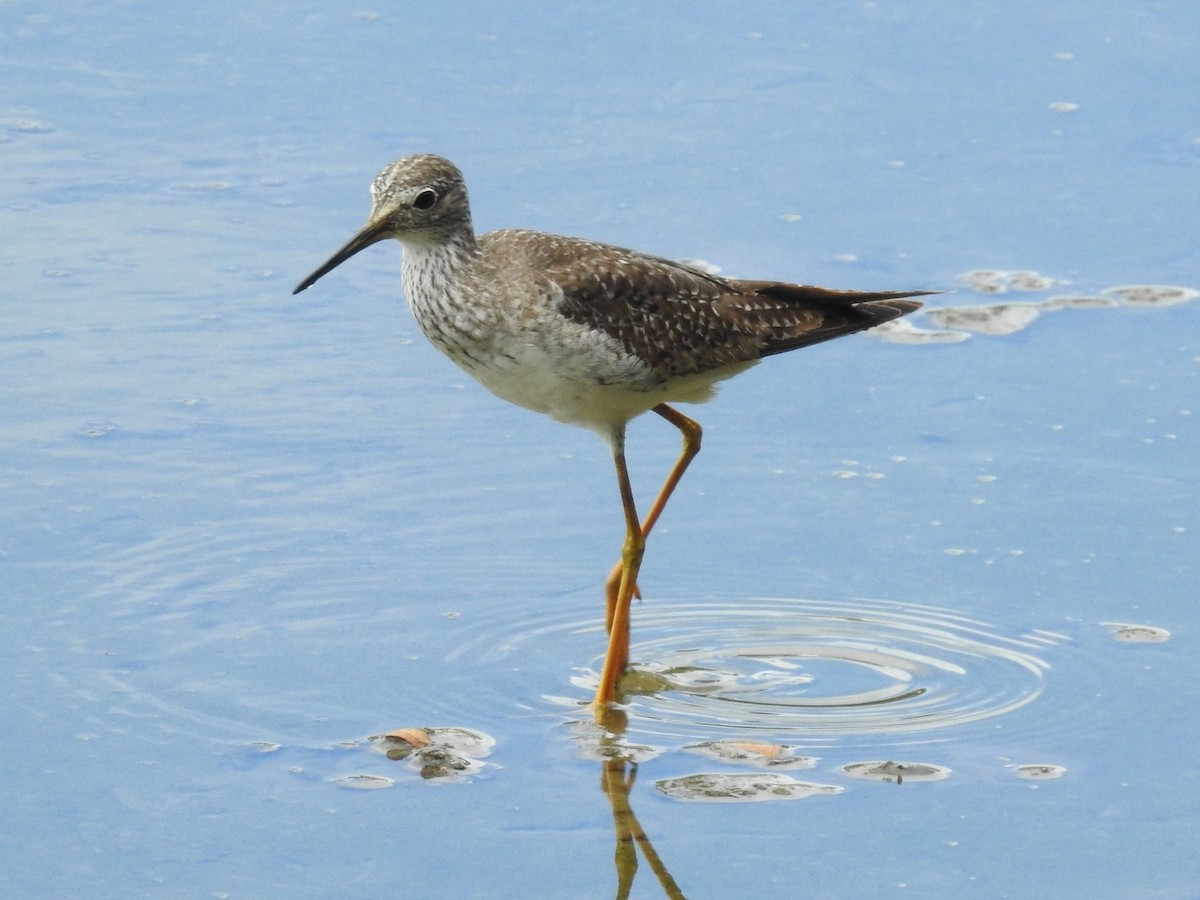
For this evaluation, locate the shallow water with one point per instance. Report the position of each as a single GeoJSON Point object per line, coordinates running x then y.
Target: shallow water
{"type": "Point", "coordinates": [934, 587]}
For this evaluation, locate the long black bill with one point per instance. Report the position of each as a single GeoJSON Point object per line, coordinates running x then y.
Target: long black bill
{"type": "Point", "coordinates": [372, 234]}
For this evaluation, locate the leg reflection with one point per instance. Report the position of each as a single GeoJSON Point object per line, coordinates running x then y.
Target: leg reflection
{"type": "Point", "coordinates": [616, 780]}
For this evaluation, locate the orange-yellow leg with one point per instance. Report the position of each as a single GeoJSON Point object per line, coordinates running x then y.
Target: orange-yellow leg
{"type": "Point", "coordinates": [690, 429]}
{"type": "Point", "coordinates": [620, 596]}
{"type": "Point", "coordinates": [631, 560]}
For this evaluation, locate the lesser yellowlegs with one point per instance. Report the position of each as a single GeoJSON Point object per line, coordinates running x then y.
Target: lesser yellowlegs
{"type": "Point", "coordinates": [589, 333]}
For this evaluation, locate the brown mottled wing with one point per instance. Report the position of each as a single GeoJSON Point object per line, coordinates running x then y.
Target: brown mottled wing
{"type": "Point", "coordinates": [682, 321]}
{"type": "Point", "coordinates": [763, 304]}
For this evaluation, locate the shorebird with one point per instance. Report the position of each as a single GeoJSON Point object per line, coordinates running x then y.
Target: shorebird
{"type": "Point", "coordinates": [591, 334]}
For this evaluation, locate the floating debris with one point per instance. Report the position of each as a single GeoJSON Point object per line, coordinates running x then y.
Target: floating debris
{"type": "Point", "coordinates": [898, 772]}
{"type": "Point", "coordinates": [957, 323]}
{"type": "Point", "coordinates": [902, 331]}
{"type": "Point", "coordinates": [1040, 771]}
{"type": "Point", "coordinates": [1152, 294]}
{"type": "Point", "coordinates": [362, 782]}
{"type": "Point", "coordinates": [436, 753]}
{"type": "Point", "coordinates": [402, 742]}
{"type": "Point", "coordinates": [741, 788]}
{"type": "Point", "coordinates": [1137, 634]}
{"type": "Point", "coordinates": [1076, 301]}
{"type": "Point", "coordinates": [753, 753]}
{"type": "Point", "coordinates": [96, 430]}
{"type": "Point", "coordinates": [1000, 281]}
{"type": "Point", "coordinates": [999, 319]}
{"type": "Point", "coordinates": [1031, 281]}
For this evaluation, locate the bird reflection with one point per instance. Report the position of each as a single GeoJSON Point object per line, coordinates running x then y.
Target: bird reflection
{"type": "Point", "coordinates": [616, 780]}
{"type": "Point", "coordinates": [618, 773]}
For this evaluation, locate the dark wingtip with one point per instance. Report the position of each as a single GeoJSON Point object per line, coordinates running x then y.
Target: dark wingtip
{"type": "Point", "coordinates": [900, 301]}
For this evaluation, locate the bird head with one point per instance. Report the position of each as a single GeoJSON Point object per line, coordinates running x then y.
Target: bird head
{"type": "Point", "coordinates": [418, 200]}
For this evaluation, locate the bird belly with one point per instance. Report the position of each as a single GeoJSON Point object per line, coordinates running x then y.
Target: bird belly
{"type": "Point", "coordinates": [597, 393]}
{"type": "Point", "coordinates": [530, 355]}
{"type": "Point", "coordinates": [596, 390]}
{"type": "Point", "coordinates": [583, 381]}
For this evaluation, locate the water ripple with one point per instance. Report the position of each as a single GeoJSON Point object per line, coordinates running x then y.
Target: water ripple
{"type": "Point", "coordinates": [824, 669]}
{"type": "Point", "coordinates": [817, 670]}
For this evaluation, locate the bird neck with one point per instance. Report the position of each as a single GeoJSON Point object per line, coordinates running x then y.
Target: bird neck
{"type": "Point", "coordinates": [437, 275]}
{"type": "Point", "coordinates": [439, 258]}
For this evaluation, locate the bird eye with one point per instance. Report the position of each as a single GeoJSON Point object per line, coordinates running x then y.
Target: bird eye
{"type": "Point", "coordinates": [425, 199]}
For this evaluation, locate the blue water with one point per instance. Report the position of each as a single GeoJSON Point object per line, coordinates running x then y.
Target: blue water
{"type": "Point", "coordinates": [243, 531]}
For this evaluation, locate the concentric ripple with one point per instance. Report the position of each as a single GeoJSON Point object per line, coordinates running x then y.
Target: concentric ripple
{"type": "Point", "coordinates": [787, 670]}
{"type": "Point", "coordinates": [826, 669]}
